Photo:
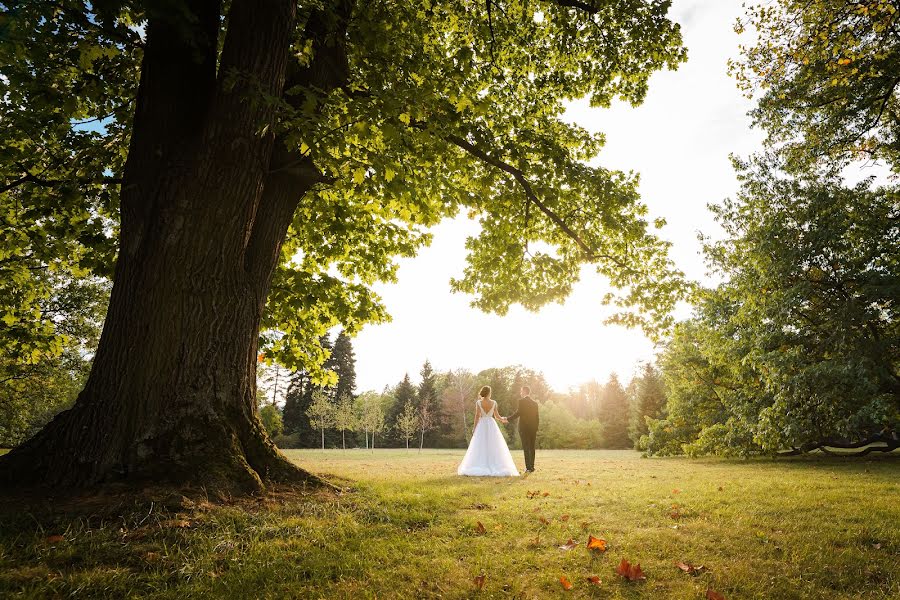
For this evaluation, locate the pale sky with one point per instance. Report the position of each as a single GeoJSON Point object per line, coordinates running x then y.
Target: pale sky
{"type": "Point", "coordinates": [678, 140]}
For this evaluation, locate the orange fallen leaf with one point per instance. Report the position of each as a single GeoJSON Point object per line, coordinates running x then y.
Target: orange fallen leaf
{"type": "Point", "coordinates": [564, 581]}
{"type": "Point", "coordinates": [711, 594]}
{"type": "Point", "coordinates": [544, 520]}
{"type": "Point", "coordinates": [596, 544]}
{"type": "Point", "coordinates": [593, 579]}
{"type": "Point", "coordinates": [564, 518]}
{"type": "Point", "coordinates": [689, 568]}
{"type": "Point", "coordinates": [480, 529]}
{"type": "Point", "coordinates": [545, 494]}
{"type": "Point", "coordinates": [629, 571]}
{"type": "Point", "coordinates": [55, 539]}
{"type": "Point", "coordinates": [569, 545]}
{"type": "Point", "coordinates": [676, 491]}
{"type": "Point", "coordinates": [479, 581]}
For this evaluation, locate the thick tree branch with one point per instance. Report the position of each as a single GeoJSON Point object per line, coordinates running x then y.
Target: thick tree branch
{"type": "Point", "coordinates": [34, 180]}
{"type": "Point", "coordinates": [519, 176]}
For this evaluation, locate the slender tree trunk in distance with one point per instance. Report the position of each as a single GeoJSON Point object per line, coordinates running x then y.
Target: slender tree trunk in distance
{"type": "Point", "coordinates": [323, 438]}
{"type": "Point", "coordinates": [206, 202]}
{"type": "Point", "coordinates": [343, 441]}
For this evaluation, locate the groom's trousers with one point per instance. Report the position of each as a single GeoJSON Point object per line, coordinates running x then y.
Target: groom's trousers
{"type": "Point", "coordinates": [529, 439]}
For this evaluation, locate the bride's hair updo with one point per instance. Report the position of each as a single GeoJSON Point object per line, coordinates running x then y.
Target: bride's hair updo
{"type": "Point", "coordinates": [485, 392]}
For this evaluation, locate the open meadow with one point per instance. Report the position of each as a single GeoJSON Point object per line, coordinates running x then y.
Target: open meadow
{"type": "Point", "coordinates": [407, 527]}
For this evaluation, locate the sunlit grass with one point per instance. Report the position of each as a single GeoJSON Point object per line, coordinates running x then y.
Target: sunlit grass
{"type": "Point", "coordinates": [804, 528]}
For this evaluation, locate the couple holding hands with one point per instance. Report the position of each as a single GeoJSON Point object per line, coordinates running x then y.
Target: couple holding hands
{"type": "Point", "coordinates": [488, 455]}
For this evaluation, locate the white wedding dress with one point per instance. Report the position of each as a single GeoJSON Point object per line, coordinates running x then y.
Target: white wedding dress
{"type": "Point", "coordinates": [488, 455]}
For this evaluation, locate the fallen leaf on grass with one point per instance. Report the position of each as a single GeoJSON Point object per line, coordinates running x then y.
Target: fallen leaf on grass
{"type": "Point", "coordinates": [479, 581]}
{"type": "Point", "coordinates": [545, 494]}
{"type": "Point", "coordinates": [594, 580]}
{"type": "Point", "coordinates": [480, 529]}
{"type": "Point", "coordinates": [689, 568]}
{"type": "Point", "coordinates": [564, 581]}
{"type": "Point", "coordinates": [544, 521]}
{"type": "Point", "coordinates": [533, 494]}
{"type": "Point", "coordinates": [564, 518]}
{"type": "Point", "coordinates": [676, 491]}
{"type": "Point", "coordinates": [535, 543]}
{"type": "Point", "coordinates": [711, 594]}
{"type": "Point", "coordinates": [596, 544]}
{"type": "Point", "coordinates": [629, 571]}
{"type": "Point", "coordinates": [569, 545]}
{"type": "Point", "coordinates": [55, 539]}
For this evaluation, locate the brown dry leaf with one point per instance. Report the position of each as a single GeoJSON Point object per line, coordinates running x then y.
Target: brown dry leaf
{"type": "Point", "coordinates": [175, 524]}
{"type": "Point", "coordinates": [676, 491]}
{"type": "Point", "coordinates": [480, 529]}
{"type": "Point", "coordinates": [536, 542]}
{"type": "Point", "coordinates": [564, 581]}
{"type": "Point", "coordinates": [544, 520]}
{"type": "Point", "coordinates": [564, 518]}
{"type": "Point", "coordinates": [594, 580]}
{"type": "Point", "coordinates": [711, 594]}
{"type": "Point", "coordinates": [55, 539]}
{"type": "Point", "coordinates": [479, 581]}
{"type": "Point", "coordinates": [569, 545]}
{"type": "Point", "coordinates": [629, 571]}
{"type": "Point", "coordinates": [596, 544]}
{"type": "Point", "coordinates": [689, 568]}
{"type": "Point", "coordinates": [545, 494]}
{"type": "Point", "coordinates": [533, 494]}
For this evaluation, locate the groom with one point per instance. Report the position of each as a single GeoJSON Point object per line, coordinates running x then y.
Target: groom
{"type": "Point", "coordinates": [527, 413]}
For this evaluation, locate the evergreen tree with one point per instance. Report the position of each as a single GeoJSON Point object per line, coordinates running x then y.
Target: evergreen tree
{"type": "Point", "coordinates": [343, 363]}
{"type": "Point", "coordinates": [647, 398]}
{"type": "Point", "coordinates": [404, 393]}
{"type": "Point", "coordinates": [613, 414]}
{"type": "Point", "coordinates": [429, 405]}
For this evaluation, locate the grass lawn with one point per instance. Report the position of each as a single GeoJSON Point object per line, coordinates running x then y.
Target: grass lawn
{"type": "Point", "coordinates": [801, 528]}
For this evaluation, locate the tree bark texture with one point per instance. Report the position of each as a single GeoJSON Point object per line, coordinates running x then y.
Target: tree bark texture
{"type": "Point", "coordinates": [206, 202]}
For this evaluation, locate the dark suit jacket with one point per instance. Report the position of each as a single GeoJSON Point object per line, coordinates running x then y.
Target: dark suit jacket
{"type": "Point", "coordinates": [527, 413]}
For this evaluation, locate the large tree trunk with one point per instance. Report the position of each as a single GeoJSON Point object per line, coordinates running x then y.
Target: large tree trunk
{"type": "Point", "coordinates": [172, 392]}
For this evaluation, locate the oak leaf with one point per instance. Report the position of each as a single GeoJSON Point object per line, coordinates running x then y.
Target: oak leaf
{"type": "Point", "coordinates": [564, 581]}
{"type": "Point", "coordinates": [629, 571]}
{"type": "Point", "coordinates": [569, 545]}
{"type": "Point", "coordinates": [596, 544]}
{"type": "Point", "coordinates": [689, 568]}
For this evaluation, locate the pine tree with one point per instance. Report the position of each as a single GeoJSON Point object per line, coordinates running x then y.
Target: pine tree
{"type": "Point", "coordinates": [343, 363]}
{"type": "Point", "coordinates": [404, 393]}
{"type": "Point", "coordinates": [429, 404]}
{"type": "Point", "coordinates": [613, 414]}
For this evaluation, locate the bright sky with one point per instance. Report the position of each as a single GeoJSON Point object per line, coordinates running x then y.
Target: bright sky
{"type": "Point", "coordinates": [678, 140]}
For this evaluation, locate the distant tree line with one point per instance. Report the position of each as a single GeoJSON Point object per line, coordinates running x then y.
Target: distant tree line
{"type": "Point", "coordinates": [438, 410]}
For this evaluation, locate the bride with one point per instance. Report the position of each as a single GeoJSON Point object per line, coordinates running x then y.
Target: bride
{"type": "Point", "coordinates": [488, 454]}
